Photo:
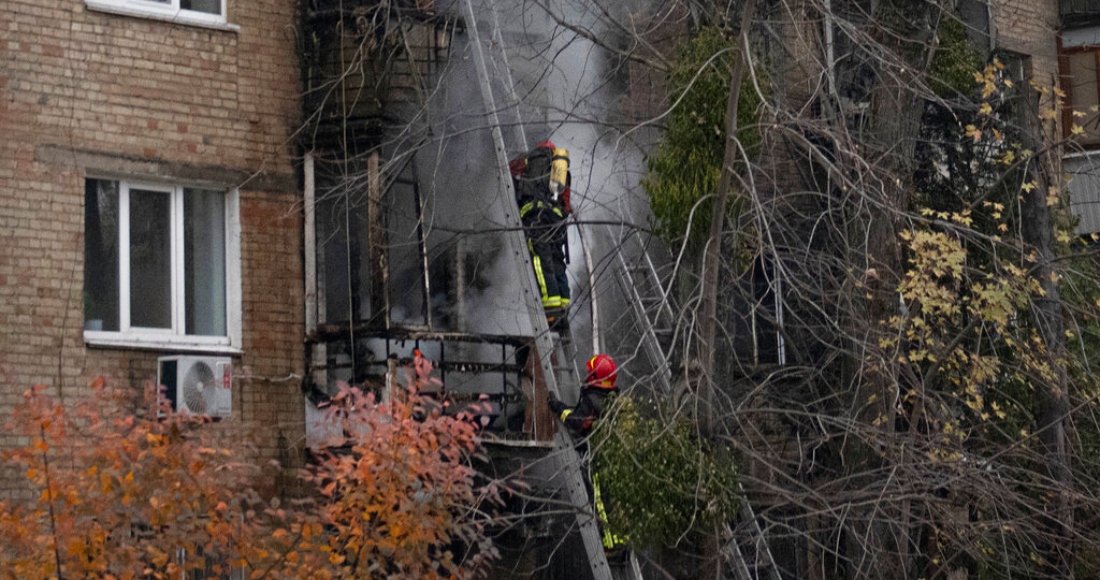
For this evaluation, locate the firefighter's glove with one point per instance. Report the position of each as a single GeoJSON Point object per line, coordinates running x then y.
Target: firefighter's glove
{"type": "Point", "coordinates": [556, 405]}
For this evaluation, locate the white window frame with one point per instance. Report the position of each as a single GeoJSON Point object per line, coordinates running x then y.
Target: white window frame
{"type": "Point", "coordinates": [169, 11]}
{"type": "Point", "coordinates": [175, 338]}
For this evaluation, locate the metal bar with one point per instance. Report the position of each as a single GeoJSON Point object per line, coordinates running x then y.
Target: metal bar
{"type": "Point", "coordinates": [310, 242]}
{"type": "Point", "coordinates": [332, 332]}
{"type": "Point", "coordinates": [422, 242]}
{"type": "Point", "coordinates": [649, 335]}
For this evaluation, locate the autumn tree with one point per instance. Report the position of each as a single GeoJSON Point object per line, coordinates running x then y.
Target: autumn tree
{"type": "Point", "coordinates": [401, 496]}
{"type": "Point", "coordinates": [125, 490]}
{"type": "Point", "coordinates": [124, 495]}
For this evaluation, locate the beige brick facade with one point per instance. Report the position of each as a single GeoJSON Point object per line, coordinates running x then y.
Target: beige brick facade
{"type": "Point", "coordinates": [90, 92]}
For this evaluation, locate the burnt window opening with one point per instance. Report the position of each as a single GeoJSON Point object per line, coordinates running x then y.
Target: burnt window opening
{"type": "Point", "coordinates": [372, 253]}
{"type": "Point", "coordinates": [347, 215]}
{"type": "Point", "coordinates": [361, 61]}
{"type": "Point", "coordinates": [375, 271]}
{"type": "Point", "coordinates": [759, 316]}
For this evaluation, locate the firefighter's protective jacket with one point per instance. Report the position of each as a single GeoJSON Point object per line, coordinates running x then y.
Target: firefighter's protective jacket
{"type": "Point", "coordinates": [580, 419]}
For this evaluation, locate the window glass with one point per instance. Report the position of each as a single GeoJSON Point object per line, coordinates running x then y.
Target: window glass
{"type": "Point", "coordinates": [160, 264]}
{"type": "Point", "coordinates": [150, 259]}
{"type": "Point", "coordinates": [1083, 92]}
{"type": "Point", "coordinates": [407, 287]}
{"type": "Point", "coordinates": [100, 255]}
{"type": "Point", "coordinates": [343, 228]}
{"type": "Point", "coordinates": [187, 11]}
{"type": "Point", "coordinates": [204, 261]}
{"type": "Point", "coordinates": [208, 6]}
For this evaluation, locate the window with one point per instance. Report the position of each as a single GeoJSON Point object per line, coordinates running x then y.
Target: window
{"type": "Point", "coordinates": [160, 264]}
{"type": "Point", "coordinates": [1079, 69]}
{"type": "Point", "coordinates": [200, 12]}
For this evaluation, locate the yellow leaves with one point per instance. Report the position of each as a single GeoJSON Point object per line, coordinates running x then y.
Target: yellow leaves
{"type": "Point", "coordinates": [988, 88]}
{"type": "Point", "coordinates": [1076, 129]}
{"type": "Point", "coordinates": [985, 109]}
{"type": "Point", "coordinates": [962, 218]}
{"type": "Point", "coordinates": [974, 133]}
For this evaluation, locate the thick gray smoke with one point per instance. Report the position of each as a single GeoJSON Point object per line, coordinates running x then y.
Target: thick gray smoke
{"type": "Point", "coordinates": [548, 83]}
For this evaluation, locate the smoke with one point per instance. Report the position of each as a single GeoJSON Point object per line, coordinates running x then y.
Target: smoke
{"type": "Point", "coordinates": [549, 82]}
{"type": "Point", "coordinates": [570, 91]}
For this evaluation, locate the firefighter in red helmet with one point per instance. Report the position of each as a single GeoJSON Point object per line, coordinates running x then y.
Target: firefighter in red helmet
{"type": "Point", "coordinates": [600, 384]}
{"type": "Point", "coordinates": [581, 419]}
{"type": "Point", "coordinates": [541, 179]}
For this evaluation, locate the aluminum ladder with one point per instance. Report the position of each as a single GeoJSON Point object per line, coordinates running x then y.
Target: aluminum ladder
{"type": "Point", "coordinates": [516, 246]}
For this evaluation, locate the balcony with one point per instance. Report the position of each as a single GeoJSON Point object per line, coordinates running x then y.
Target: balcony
{"type": "Point", "coordinates": [362, 63]}
{"type": "Point", "coordinates": [1079, 13]}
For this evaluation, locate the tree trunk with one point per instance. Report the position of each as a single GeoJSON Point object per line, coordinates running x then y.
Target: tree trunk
{"type": "Point", "coordinates": [1053, 407]}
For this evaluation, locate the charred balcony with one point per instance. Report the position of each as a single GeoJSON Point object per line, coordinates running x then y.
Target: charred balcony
{"type": "Point", "coordinates": [364, 62]}
{"type": "Point", "coordinates": [1079, 13]}
{"type": "Point", "coordinates": [497, 374]}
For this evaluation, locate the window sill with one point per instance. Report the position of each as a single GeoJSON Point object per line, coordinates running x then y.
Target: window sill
{"type": "Point", "coordinates": [1085, 153]}
{"type": "Point", "coordinates": [94, 339]}
{"type": "Point", "coordinates": [173, 16]}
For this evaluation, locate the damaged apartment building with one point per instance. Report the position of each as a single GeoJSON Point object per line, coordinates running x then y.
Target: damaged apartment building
{"type": "Point", "coordinates": [254, 196]}
{"type": "Point", "coordinates": [290, 194]}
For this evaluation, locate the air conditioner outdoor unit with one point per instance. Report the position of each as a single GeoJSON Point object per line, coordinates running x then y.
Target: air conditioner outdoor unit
{"type": "Point", "coordinates": [197, 385]}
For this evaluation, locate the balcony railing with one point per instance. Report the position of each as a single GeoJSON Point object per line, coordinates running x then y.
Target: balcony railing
{"type": "Point", "coordinates": [1079, 13]}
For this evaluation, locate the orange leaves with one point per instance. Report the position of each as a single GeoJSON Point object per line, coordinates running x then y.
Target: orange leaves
{"type": "Point", "coordinates": [124, 495]}
{"type": "Point", "coordinates": [114, 499]}
{"type": "Point", "coordinates": [404, 489]}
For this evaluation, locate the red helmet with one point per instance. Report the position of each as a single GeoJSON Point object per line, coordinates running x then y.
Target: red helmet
{"type": "Point", "coordinates": [602, 372]}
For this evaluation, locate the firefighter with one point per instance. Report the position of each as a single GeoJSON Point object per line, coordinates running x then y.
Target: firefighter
{"type": "Point", "coordinates": [581, 419]}
{"type": "Point", "coordinates": [542, 180]}
{"type": "Point", "coordinates": [600, 384]}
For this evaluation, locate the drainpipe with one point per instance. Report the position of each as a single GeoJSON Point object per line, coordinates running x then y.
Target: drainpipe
{"type": "Point", "coordinates": [310, 244]}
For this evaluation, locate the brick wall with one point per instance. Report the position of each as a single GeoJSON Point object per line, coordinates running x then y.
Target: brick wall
{"type": "Point", "coordinates": [1029, 27]}
{"type": "Point", "coordinates": [84, 91]}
